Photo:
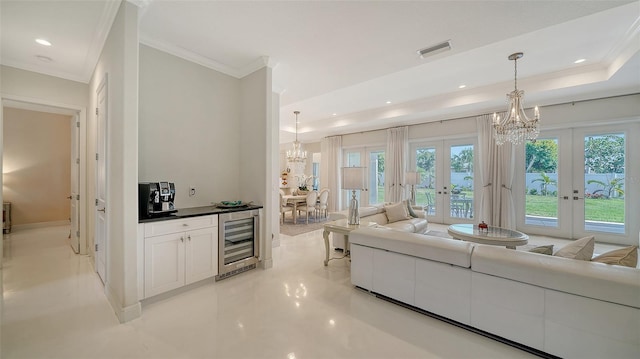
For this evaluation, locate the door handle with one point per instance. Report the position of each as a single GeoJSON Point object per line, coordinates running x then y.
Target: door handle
{"type": "Point", "coordinates": [103, 210]}
{"type": "Point", "coordinates": [575, 198]}
{"type": "Point", "coordinates": [189, 237]}
{"type": "Point", "coordinates": [69, 197]}
{"type": "Point", "coordinates": [181, 239]}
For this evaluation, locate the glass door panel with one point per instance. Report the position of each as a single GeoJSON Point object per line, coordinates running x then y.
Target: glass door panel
{"type": "Point", "coordinates": [541, 182]}
{"type": "Point", "coordinates": [373, 159]}
{"type": "Point", "coordinates": [461, 179]}
{"type": "Point", "coordinates": [604, 183]}
{"type": "Point", "coordinates": [426, 189]}
{"type": "Point", "coordinates": [376, 177]}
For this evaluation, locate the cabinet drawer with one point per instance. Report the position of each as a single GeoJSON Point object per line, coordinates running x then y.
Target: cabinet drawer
{"type": "Point", "coordinates": [179, 225]}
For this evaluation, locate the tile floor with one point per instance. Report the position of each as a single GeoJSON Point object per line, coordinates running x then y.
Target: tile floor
{"type": "Point", "coordinates": [54, 307]}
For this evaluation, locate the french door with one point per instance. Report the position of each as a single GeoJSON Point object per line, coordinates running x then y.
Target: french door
{"type": "Point", "coordinates": [578, 182]}
{"type": "Point", "coordinates": [373, 159]}
{"type": "Point", "coordinates": [446, 189]}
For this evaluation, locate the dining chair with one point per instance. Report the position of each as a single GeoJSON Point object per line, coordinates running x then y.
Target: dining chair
{"type": "Point", "coordinates": [309, 205]}
{"type": "Point", "coordinates": [284, 206]}
{"type": "Point", "coordinates": [321, 205]}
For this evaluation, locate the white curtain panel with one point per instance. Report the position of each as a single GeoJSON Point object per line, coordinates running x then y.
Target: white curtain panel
{"type": "Point", "coordinates": [331, 149]}
{"type": "Point", "coordinates": [486, 148]}
{"type": "Point", "coordinates": [395, 163]}
{"type": "Point", "coordinates": [497, 165]}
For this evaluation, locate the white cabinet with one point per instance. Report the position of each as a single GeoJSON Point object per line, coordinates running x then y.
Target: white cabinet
{"type": "Point", "coordinates": [179, 252]}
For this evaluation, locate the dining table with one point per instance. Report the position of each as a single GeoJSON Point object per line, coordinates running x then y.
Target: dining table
{"type": "Point", "coordinates": [295, 200]}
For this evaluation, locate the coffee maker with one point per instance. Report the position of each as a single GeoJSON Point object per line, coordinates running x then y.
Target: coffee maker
{"type": "Point", "coordinates": [155, 199]}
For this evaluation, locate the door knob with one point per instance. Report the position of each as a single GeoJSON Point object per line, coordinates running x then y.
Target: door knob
{"type": "Point", "coordinates": [69, 197]}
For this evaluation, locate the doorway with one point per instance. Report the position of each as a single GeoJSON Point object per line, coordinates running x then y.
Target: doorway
{"type": "Point", "coordinates": [579, 182]}
{"type": "Point", "coordinates": [447, 182]}
{"type": "Point", "coordinates": [76, 187]}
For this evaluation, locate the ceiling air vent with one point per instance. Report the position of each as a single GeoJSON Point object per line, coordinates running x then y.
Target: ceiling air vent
{"type": "Point", "coordinates": [435, 49]}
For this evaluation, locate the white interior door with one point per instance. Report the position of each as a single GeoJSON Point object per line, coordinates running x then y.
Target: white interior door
{"type": "Point", "coordinates": [74, 197]}
{"type": "Point", "coordinates": [101, 227]}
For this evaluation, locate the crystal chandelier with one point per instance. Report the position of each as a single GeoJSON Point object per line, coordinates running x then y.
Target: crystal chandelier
{"type": "Point", "coordinates": [516, 127]}
{"type": "Point", "coordinates": [296, 154]}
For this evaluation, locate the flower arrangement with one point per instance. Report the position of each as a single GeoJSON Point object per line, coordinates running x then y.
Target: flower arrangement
{"type": "Point", "coordinates": [304, 182]}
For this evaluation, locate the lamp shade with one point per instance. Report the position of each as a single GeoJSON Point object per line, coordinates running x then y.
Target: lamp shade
{"type": "Point", "coordinates": [353, 177]}
{"type": "Point", "coordinates": [412, 178]}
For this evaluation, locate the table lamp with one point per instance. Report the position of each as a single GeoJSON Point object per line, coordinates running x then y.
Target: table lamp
{"type": "Point", "coordinates": [353, 179]}
{"type": "Point", "coordinates": [413, 179]}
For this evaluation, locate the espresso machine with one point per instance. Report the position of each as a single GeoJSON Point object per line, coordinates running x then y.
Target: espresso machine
{"type": "Point", "coordinates": [155, 199]}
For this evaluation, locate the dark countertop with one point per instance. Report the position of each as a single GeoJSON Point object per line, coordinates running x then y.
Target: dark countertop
{"type": "Point", "coordinates": [198, 211]}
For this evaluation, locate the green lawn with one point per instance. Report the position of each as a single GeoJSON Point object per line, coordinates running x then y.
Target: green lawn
{"type": "Point", "coordinates": [606, 210]}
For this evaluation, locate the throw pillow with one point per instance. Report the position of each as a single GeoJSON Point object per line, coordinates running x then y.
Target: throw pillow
{"type": "Point", "coordinates": [623, 257]}
{"type": "Point", "coordinates": [581, 249]}
{"type": "Point", "coordinates": [410, 209]}
{"type": "Point", "coordinates": [396, 212]}
{"type": "Point", "coordinates": [543, 249]}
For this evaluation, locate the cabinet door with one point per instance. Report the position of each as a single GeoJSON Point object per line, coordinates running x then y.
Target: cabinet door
{"type": "Point", "coordinates": [164, 263]}
{"type": "Point", "coordinates": [201, 254]}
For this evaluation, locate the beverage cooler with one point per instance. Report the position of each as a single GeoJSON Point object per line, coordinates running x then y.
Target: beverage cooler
{"type": "Point", "coordinates": [239, 242]}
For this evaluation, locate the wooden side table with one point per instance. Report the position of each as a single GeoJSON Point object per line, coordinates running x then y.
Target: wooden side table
{"type": "Point", "coordinates": [341, 226]}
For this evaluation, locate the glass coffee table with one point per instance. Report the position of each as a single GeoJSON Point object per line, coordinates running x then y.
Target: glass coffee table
{"type": "Point", "coordinates": [493, 235]}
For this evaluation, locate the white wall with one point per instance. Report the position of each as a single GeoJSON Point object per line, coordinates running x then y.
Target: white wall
{"type": "Point", "coordinates": [119, 63]}
{"type": "Point", "coordinates": [189, 128]}
{"type": "Point", "coordinates": [37, 87]}
{"type": "Point", "coordinates": [256, 148]}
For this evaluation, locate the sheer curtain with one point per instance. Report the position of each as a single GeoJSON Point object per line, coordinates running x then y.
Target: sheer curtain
{"type": "Point", "coordinates": [395, 163]}
{"type": "Point", "coordinates": [497, 165]}
{"type": "Point", "coordinates": [331, 149]}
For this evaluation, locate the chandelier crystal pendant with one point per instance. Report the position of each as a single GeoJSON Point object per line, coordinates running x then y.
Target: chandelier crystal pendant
{"type": "Point", "coordinates": [516, 127]}
{"type": "Point", "coordinates": [296, 154]}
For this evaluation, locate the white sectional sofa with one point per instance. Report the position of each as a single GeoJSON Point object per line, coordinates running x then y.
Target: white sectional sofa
{"type": "Point", "coordinates": [564, 307]}
{"type": "Point", "coordinates": [377, 214]}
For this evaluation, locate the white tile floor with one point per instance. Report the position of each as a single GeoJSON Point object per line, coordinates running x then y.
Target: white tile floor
{"type": "Point", "coordinates": [54, 307]}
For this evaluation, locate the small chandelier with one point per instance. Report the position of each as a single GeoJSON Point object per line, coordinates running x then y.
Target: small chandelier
{"type": "Point", "coordinates": [296, 154]}
{"type": "Point", "coordinates": [516, 127]}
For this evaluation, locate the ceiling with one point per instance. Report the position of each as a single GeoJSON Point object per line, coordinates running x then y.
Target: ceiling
{"type": "Point", "coordinates": [340, 62]}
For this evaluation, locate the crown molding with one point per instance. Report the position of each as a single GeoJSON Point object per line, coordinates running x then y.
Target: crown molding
{"type": "Point", "coordinates": [103, 28]}
{"type": "Point", "coordinates": [238, 73]}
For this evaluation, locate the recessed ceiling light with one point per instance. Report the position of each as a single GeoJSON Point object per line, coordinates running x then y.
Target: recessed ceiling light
{"type": "Point", "coordinates": [44, 58]}
{"type": "Point", "coordinates": [43, 42]}
{"type": "Point", "coordinates": [579, 61]}
{"type": "Point", "coordinates": [335, 114]}
{"type": "Point", "coordinates": [462, 86]}
{"type": "Point", "coordinates": [388, 102]}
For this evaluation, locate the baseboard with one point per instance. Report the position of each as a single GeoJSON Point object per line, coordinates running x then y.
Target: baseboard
{"type": "Point", "coordinates": [17, 227]}
{"type": "Point", "coordinates": [124, 314]}
{"type": "Point", "coordinates": [266, 264]}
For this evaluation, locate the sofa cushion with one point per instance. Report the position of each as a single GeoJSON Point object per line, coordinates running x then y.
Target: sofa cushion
{"type": "Point", "coordinates": [417, 245]}
{"type": "Point", "coordinates": [581, 249]}
{"type": "Point", "coordinates": [396, 212]}
{"type": "Point", "coordinates": [614, 284]}
{"type": "Point", "coordinates": [548, 249]}
{"type": "Point", "coordinates": [627, 257]}
{"type": "Point", "coordinates": [403, 226]}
